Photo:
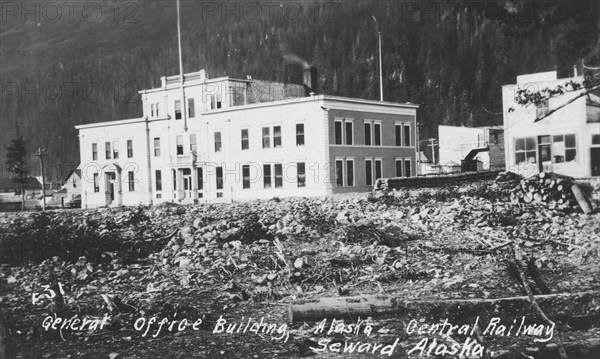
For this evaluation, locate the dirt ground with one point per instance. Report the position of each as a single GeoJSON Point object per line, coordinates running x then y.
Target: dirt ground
{"type": "Point", "coordinates": [238, 263]}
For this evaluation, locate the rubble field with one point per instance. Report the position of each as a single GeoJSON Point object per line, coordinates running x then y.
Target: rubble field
{"type": "Point", "coordinates": [430, 255]}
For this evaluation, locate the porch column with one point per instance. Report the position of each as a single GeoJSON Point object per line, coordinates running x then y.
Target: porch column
{"type": "Point", "coordinates": [119, 187]}
{"type": "Point", "coordinates": [180, 188]}
{"type": "Point", "coordinates": [194, 183]}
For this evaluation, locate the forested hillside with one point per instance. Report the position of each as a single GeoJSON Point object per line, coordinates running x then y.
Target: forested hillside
{"type": "Point", "coordinates": [64, 66]}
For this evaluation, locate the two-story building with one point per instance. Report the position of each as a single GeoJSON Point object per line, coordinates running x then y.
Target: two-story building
{"type": "Point", "coordinates": [567, 138]}
{"type": "Point", "coordinates": [230, 139]}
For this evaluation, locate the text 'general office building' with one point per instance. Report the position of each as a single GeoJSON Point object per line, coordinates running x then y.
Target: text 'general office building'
{"type": "Point", "coordinates": [230, 139]}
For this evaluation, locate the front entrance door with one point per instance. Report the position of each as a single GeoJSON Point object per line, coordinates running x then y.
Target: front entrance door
{"type": "Point", "coordinates": [110, 187]}
{"type": "Point", "coordinates": [187, 182]}
{"type": "Point", "coordinates": [595, 156]}
{"type": "Point", "coordinates": [544, 149]}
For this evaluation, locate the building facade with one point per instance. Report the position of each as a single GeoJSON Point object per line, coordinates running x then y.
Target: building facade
{"type": "Point", "coordinates": [471, 148]}
{"type": "Point", "coordinates": [566, 141]}
{"type": "Point", "coordinates": [228, 139]}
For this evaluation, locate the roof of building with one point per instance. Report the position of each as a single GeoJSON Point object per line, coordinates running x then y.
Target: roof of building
{"type": "Point", "coordinates": [76, 171]}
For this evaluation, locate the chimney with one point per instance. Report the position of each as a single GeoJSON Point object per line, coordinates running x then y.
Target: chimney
{"type": "Point", "coordinates": [310, 81]}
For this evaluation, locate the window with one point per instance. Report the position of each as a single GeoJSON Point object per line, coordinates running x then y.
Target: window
{"type": "Point", "coordinates": [542, 108]}
{"type": "Point", "coordinates": [338, 132]}
{"type": "Point", "coordinates": [266, 137]}
{"type": "Point", "coordinates": [131, 181]}
{"type": "Point", "coordinates": [398, 136]}
{"type": "Point", "coordinates": [193, 146]}
{"type": "Point", "coordinates": [156, 147]}
{"type": "Point", "coordinates": [406, 135]}
{"type": "Point", "coordinates": [377, 127]}
{"type": "Point", "coordinates": [94, 151]}
{"type": "Point", "coordinates": [177, 109]}
{"type": "Point", "coordinates": [564, 148]}
{"type": "Point", "coordinates": [407, 168]}
{"type": "Point", "coordinates": [219, 177]}
{"type": "Point", "coordinates": [158, 180]}
{"type": "Point", "coordinates": [179, 140]}
{"type": "Point", "coordinates": [398, 167]}
{"type": "Point", "coordinates": [245, 140]}
{"type": "Point", "coordinates": [245, 176]}
{"type": "Point", "coordinates": [278, 175]}
{"type": "Point", "coordinates": [349, 133]}
{"type": "Point", "coordinates": [96, 183]}
{"type": "Point", "coordinates": [595, 139]}
{"type": "Point", "coordinates": [191, 108]}
{"type": "Point", "coordinates": [277, 136]}
{"type": "Point", "coordinates": [369, 172]}
{"type": "Point", "coordinates": [267, 175]}
{"type": "Point", "coordinates": [339, 173]}
{"type": "Point", "coordinates": [129, 148]}
{"type": "Point", "coordinates": [215, 101]}
{"type": "Point", "coordinates": [367, 133]}
{"type": "Point", "coordinates": [300, 134]}
{"type": "Point", "coordinates": [350, 173]}
{"type": "Point", "coordinates": [115, 150]}
{"type": "Point", "coordinates": [525, 150]}
{"type": "Point", "coordinates": [301, 171]}
{"type": "Point", "coordinates": [218, 143]}
{"type": "Point", "coordinates": [200, 174]}
{"type": "Point", "coordinates": [154, 110]}
{"type": "Point", "coordinates": [108, 151]}
{"type": "Point", "coordinates": [378, 169]}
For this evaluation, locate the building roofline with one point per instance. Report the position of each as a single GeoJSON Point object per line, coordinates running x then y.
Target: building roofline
{"type": "Point", "coordinates": [566, 79]}
{"type": "Point", "coordinates": [119, 122]}
{"type": "Point", "coordinates": [191, 83]}
{"type": "Point", "coordinates": [319, 99]}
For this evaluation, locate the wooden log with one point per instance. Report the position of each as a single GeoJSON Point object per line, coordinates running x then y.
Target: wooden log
{"type": "Point", "coordinates": [537, 197]}
{"type": "Point", "coordinates": [582, 199]}
{"type": "Point", "coordinates": [324, 308]}
{"type": "Point", "coordinates": [527, 198]}
{"type": "Point", "coordinates": [344, 307]}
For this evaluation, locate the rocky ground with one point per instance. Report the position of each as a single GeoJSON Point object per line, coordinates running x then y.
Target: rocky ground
{"type": "Point", "coordinates": [216, 265]}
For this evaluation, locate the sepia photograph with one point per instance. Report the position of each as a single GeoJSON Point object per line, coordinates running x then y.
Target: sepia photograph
{"type": "Point", "coordinates": [300, 179]}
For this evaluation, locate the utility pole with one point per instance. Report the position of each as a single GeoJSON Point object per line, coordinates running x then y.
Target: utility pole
{"type": "Point", "coordinates": [183, 104]}
{"type": "Point", "coordinates": [380, 63]}
{"type": "Point", "coordinates": [418, 151]}
{"type": "Point", "coordinates": [41, 154]}
{"type": "Point", "coordinates": [433, 144]}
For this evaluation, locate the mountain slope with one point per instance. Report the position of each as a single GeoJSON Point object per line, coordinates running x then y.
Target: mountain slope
{"type": "Point", "coordinates": [452, 57]}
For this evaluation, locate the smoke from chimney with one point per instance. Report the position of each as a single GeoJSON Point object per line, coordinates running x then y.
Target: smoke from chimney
{"type": "Point", "coordinates": [310, 81]}
{"type": "Point", "coordinates": [309, 73]}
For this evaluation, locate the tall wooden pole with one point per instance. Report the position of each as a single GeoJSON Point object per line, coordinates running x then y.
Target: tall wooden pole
{"type": "Point", "coordinates": [183, 104]}
{"type": "Point", "coordinates": [40, 154]}
{"type": "Point", "coordinates": [380, 62]}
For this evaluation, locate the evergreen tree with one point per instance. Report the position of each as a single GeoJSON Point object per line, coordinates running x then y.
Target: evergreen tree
{"type": "Point", "coordinates": [15, 163]}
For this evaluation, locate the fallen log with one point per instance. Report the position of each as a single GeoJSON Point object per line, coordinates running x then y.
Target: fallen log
{"type": "Point", "coordinates": [373, 305]}
{"type": "Point", "coordinates": [344, 307]}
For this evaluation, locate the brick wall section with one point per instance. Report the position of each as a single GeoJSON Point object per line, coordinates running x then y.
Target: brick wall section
{"type": "Point", "coordinates": [268, 91]}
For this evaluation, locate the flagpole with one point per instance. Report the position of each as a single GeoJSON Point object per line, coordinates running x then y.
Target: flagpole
{"type": "Point", "coordinates": [183, 105]}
